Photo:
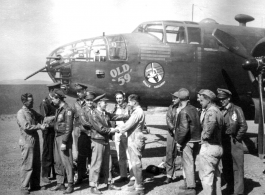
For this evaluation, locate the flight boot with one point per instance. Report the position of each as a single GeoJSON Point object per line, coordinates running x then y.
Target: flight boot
{"type": "Point", "coordinates": [94, 190]}
{"type": "Point", "coordinates": [69, 189]}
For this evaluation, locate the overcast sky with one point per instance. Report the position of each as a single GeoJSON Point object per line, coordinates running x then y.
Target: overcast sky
{"type": "Point", "coordinates": [32, 29]}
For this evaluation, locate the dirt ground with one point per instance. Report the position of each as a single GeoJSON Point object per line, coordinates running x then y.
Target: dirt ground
{"type": "Point", "coordinates": [153, 154]}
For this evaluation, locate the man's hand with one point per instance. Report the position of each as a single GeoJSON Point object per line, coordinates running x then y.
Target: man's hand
{"type": "Point", "coordinates": [179, 147]}
{"type": "Point", "coordinates": [44, 126]}
{"type": "Point", "coordinates": [113, 130]}
{"type": "Point", "coordinates": [63, 147]}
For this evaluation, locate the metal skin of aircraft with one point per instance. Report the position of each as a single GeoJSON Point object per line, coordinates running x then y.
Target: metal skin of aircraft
{"type": "Point", "coordinates": [160, 57]}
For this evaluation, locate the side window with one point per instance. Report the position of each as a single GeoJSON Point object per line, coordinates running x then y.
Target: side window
{"type": "Point", "coordinates": [176, 34]}
{"type": "Point", "coordinates": [155, 29]}
{"type": "Point", "coordinates": [194, 35]}
{"type": "Point", "coordinates": [98, 50]}
{"type": "Point", "coordinates": [117, 48]}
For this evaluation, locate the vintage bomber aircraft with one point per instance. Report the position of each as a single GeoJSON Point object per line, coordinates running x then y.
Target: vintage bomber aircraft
{"type": "Point", "coordinates": [159, 57]}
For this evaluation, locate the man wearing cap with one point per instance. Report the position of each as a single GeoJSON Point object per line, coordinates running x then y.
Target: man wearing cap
{"type": "Point", "coordinates": [29, 121]}
{"type": "Point", "coordinates": [235, 129]}
{"type": "Point", "coordinates": [77, 107]}
{"type": "Point", "coordinates": [47, 108]}
{"type": "Point", "coordinates": [171, 149]}
{"type": "Point", "coordinates": [84, 140]}
{"type": "Point", "coordinates": [188, 136]}
{"type": "Point", "coordinates": [63, 126]}
{"type": "Point", "coordinates": [136, 142]}
{"type": "Point", "coordinates": [120, 139]}
{"type": "Point", "coordinates": [211, 148]}
{"type": "Point", "coordinates": [101, 158]}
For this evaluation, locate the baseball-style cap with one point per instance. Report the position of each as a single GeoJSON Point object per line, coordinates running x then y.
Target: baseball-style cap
{"type": "Point", "coordinates": [183, 94]}
{"type": "Point", "coordinates": [175, 94]}
{"type": "Point", "coordinates": [223, 93]}
{"type": "Point", "coordinates": [209, 93]}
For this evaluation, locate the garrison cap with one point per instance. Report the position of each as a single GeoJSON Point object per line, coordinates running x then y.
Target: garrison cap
{"type": "Point", "coordinates": [90, 95]}
{"type": "Point", "coordinates": [80, 86]}
{"type": "Point", "coordinates": [183, 94]}
{"type": "Point", "coordinates": [119, 92]}
{"type": "Point", "coordinates": [208, 93]}
{"type": "Point", "coordinates": [58, 93]}
{"type": "Point", "coordinates": [223, 93]}
{"type": "Point", "coordinates": [54, 85]}
{"type": "Point", "coordinates": [100, 98]}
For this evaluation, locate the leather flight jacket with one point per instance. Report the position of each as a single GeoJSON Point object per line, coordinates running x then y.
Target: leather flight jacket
{"type": "Point", "coordinates": [100, 122]}
{"type": "Point", "coordinates": [188, 128]}
{"type": "Point", "coordinates": [63, 124]}
{"type": "Point", "coordinates": [237, 123]}
{"type": "Point", "coordinates": [84, 119]}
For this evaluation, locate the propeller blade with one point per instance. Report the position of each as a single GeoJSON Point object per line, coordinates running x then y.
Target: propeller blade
{"type": "Point", "coordinates": [230, 43]}
{"type": "Point", "coordinates": [35, 73]}
{"type": "Point", "coordinates": [261, 120]}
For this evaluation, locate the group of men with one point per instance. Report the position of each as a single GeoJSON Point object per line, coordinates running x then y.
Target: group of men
{"type": "Point", "coordinates": [87, 128]}
{"type": "Point", "coordinates": [209, 140]}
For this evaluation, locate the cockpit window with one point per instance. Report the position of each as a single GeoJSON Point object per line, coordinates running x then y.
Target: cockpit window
{"type": "Point", "coordinates": [153, 29]}
{"type": "Point", "coordinates": [176, 34]}
{"type": "Point", "coordinates": [194, 35]}
{"type": "Point", "coordinates": [117, 48]}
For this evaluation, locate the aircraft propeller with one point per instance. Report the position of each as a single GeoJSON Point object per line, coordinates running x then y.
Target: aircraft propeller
{"type": "Point", "coordinates": [255, 65]}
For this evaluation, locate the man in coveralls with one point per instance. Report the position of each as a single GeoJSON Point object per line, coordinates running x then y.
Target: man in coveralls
{"type": "Point", "coordinates": [28, 121]}
{"type": "Point", "coordinates": [235, 129]}
{"type": "Point", "coordinates": [171, 149]}
{"type": "Point", "coordinates": [101, 158]}
{"type": "Point", "coordinates": [211, 151]}
{"type": "Point", "coordinates": [48, 109]}
{"type": "Point", "coordinates": [136, 142]}
{"type": "Point", "coordinates": [84, 140]}
{"type": "Point", "coordinates": [121, 140]}
{"type": "Point", "coordinates": [63, 126]}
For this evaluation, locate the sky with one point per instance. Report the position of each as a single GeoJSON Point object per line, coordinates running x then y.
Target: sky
{"type": "Point", "coordinates": [31, 29]}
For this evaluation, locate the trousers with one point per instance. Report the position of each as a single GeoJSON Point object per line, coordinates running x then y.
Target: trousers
{"type": "Point", "coordinates": [189, 154]}
{"type": "Point", "coordinates": [233, 164]}
{"type": "Point", "coordinates": [63, 161]}
{"type": "Point", "coordinates": [135, 150]}
{"type": "Point", "coordinates": [30, 166]}
{"type": "Point", "coordinates": [210, 156]}
{"type": "Point", "coordinates": [171, 155]}
{"type": "Point", "coordinates": [47, 152]}
{"type": "Point", "coordinates": [100, 162]}
{"type": "Point", "coordinates": [121, 144]}
{"type": "Point", "coordinates": [84, 153]}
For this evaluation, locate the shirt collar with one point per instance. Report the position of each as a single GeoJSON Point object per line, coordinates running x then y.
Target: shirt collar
{"type": "Point", "coordinates": [227, 106]}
